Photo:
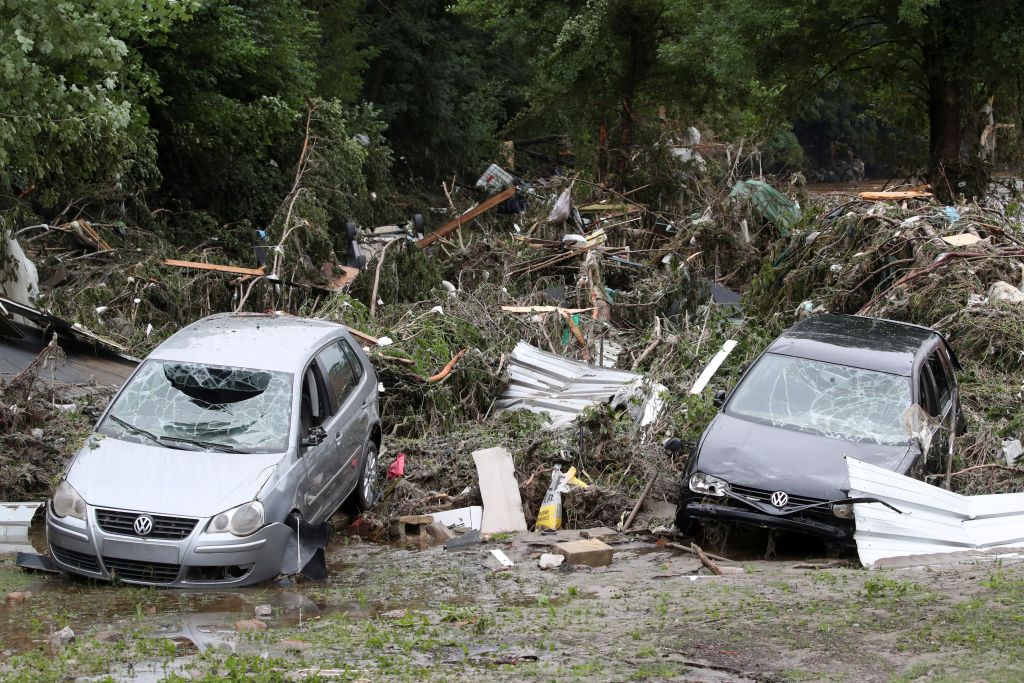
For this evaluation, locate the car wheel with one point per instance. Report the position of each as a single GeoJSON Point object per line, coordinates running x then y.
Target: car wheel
{"type": "Point", "coordinates": [684, 524]}
{"type": "Point", "coordinates": [368, 490]}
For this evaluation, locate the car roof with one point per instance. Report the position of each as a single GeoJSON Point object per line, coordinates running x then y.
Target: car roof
{"type": "Point", "coordinates": [858, 341]}
{"type": "Point", "coordinates": [261, 341]}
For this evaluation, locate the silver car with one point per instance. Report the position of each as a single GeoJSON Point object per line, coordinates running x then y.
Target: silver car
{"type": "Point", "coordinates": [235, 437]}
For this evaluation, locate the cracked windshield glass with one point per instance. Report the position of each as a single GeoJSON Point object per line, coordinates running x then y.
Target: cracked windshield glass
{"type": "Point", "coordinates": [188, 405]}
{"type": "Point", "coordinates": [824, 398]}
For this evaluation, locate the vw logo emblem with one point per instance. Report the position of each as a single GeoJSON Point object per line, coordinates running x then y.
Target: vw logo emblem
{"type": "Point", "coordinates": [144, 524]}
{"type": "Point", "coordinates": [779, 500]}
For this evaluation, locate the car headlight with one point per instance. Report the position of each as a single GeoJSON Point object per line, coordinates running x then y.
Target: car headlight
{"type": "Point", "coordinates": [843, 510]}
{"type": "Point", "coordinates": [240, 521]}
{"type": "Point", "coordinates": [67, 502]}
{"type": "Point", "coordinates": [707, 485]}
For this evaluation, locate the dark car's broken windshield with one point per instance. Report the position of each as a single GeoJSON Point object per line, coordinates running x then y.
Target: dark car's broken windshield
{"type": "Point", "coordinates": [825, 398]}
{"type": "Point", "coordinates": [192, 405]}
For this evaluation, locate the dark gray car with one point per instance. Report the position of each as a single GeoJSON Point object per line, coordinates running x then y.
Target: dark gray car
{"type": "Point", "coordinates": [832, 385]}
{"type": "Point", "coordinates": [230, 439]}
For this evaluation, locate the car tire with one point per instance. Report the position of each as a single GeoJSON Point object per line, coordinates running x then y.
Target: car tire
{"type": "Point", "coordinates": [368, 489]}
{"type": "Point", "coordinates": [685, 525]}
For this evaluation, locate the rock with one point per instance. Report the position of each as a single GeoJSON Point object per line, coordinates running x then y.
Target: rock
{"type": "Point", "coordinates": [62, 638]}
{"type": "Point", "coordinates": [550, 560]}
{"type": "Point", "coordinates": [250, 625]}
{"type": "Point", "coordinates": [17, 597]}
{"type": "Point", "coordinates": [1004, 291]}
{"type": "Point", "coordinates": [592, 552]}
{"type": "Point", "coordinates": [291, 644]}
{"type": "Point", "coordinates": [264, 610]}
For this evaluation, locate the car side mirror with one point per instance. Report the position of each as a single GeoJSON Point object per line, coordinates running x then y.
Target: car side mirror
{"type": "Point", "coordinates": [314, 437]}
{"type": "Point", "coordinates": [719, 399]}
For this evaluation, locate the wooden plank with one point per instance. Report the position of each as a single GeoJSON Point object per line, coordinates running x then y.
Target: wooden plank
{"type": "Point", "coordinates": [713, 366]}
{"type": "Point", "coordinates": [611, 208]}
{"type": "Point", "coordinates": [904, 194]}
{"type": "Point", "coordinates": [362, 336]}
{"type": "Point", "coordinates": [237, 270]}
{"type": "Point", "coordinates": [544, 309]}
{"type": "Point", "coordinates": [454, 224]}
{"type": "Point", "coordinates": [499, 491]}
{"type": "Point", "coordinates": [576, 332]}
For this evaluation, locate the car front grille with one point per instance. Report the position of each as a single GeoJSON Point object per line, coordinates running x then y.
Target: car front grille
{"type": "Point", "coordinates": [149, 572]}
{"type": "Point", "coordinates": [822, 513]}
{"type": "Point", "coordinates": [122, 522]}
{"type": "Point", "coordinates": [84, 561]}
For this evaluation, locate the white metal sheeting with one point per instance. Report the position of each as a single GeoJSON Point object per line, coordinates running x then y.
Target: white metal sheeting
{"type": "Point", "coordinates": [933, 523]}
{"type": "Point", "coordinates": [542, 382]}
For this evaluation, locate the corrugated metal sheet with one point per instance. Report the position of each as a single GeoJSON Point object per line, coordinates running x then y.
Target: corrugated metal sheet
{"type": "Point", "coordinates": [933, 523]}
{"type": "Point", "coordinates": [542, 382]}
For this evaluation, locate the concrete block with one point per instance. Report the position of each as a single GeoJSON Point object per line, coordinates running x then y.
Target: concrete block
{"type": "Point", "coordinates": [413, 529]}
{"type": "Point", "coordinates": [592, 552]}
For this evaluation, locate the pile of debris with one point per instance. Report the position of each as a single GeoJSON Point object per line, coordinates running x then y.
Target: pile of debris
{"type": "Point", "coordinates": [578, 327]}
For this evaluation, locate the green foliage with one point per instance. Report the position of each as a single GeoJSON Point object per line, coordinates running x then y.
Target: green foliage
{"type": "Point", "coordinates": [70, 87]}
{"type": "Point", "coordinates": [232, 82]}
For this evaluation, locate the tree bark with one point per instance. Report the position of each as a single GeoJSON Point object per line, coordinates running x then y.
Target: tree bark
{"type": "Point", "coordinates": [945, 100]}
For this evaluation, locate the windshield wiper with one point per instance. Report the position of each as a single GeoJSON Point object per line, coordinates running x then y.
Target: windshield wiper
{"type": "Point", "coordinates": [213, 445]}
{"type": "Point", "coordinates": [136, 430]}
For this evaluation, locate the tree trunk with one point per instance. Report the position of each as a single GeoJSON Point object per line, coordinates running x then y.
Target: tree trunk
{"type": "Point", "coordinates": [944, 119]}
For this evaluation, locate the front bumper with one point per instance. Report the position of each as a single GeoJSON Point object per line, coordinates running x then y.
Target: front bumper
{"type": "Point", "coordinates": [839, 532]}
{"type": "Point", "coordinates": [201, 559]}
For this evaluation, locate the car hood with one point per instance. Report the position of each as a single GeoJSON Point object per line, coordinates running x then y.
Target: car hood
{"type": "Point", "coordinates": [770, 458]}
{"type": "Point", "coordinates": [111, 473]}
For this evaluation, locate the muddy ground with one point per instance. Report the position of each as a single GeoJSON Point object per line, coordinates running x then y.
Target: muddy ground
{"type": "Point", "coordinates": [388, 613]}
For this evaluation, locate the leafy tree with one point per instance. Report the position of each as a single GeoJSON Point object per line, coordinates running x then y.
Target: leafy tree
{"type": "Point", "coordinates": [71, 85]}
{"type": "Point", "coordinates": [925, 63]}
{"type": "Point", "coordinates": [233, 83]}
{"type": "Point", "coordinates": [438, 83]}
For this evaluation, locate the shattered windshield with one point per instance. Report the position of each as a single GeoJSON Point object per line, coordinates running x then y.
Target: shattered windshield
{"type": "Point", "coordinates": [209, 407]}
{"type": "Point", "coordinates": [825, 398]}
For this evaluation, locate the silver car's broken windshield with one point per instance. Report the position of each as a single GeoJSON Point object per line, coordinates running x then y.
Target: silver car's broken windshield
{"type": "Point", "coordinates": [824, 398]}
{"type": "Point", "coordinates": [220, 408]}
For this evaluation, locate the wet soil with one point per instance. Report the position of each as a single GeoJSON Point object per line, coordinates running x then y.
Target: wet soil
{"type": "Point", "coordinates": [389, 613]}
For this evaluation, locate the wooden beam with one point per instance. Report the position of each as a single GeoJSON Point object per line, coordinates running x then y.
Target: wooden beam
{"type": "Point", "coordinates": [454, 224]}
{"type": "Point", "coordinates": [237, 270]}
{"type": "Point", "coordinates": [906, 194]}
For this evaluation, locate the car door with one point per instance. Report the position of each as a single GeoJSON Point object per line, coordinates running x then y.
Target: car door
{"type": "Point", "coordinates": [347, 430]}
{"type": "Point", "coordinates": [938, 367]}
{"type": "Point", "coordinates": [319, 461]}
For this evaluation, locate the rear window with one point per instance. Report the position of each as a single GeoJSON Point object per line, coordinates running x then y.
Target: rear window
{"type": "Point", "coordinates": [824, 398]}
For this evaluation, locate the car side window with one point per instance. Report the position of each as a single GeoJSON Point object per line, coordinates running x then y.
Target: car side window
{"type": "Point", "coordinates": [943, 385]}
{"type": "Point", "coordinates": [341, 378]}
{"type": "Point", "coordinates": [927, 387]}
{"type": "Point", "coordinates": [315, 408]}
{"type": "Point", "coordinates": [353, 359]}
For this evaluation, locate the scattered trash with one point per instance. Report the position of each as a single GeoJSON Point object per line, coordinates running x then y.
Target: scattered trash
{"type": "Point", "coordinates": [550, 514]}
{"type": "Point", "coordinates": [494, 179]}
{"type": "Point", "coordinates": [397, 467]}
{"type": "Point", "coordinates": [921, 524]}
{"type": "Point", "coordinates": [461, 518]}
{"type": "Point", "coordinates": [1004, 291]}
{"type": "Point", "coordinates": [964, 239]}
{"type": "Point", "coordinates": [503, 506]}
{"type": "Point", "coordinates": [769, 202]}
{"type": "Point", "coordinates": [464, 541]}
{"type": "Point", "coordinates": [713, 366]}
{"type": "Point", "coordinates": [263, 610]}
{"type": "Point", "coordinates": [1012, 450]}
{"type": "Point", "coordinates": [502, 558]}
{"type": "Point", "coordinates": [561, 388]}
{"type": "Point", "coordinates": [551, 560]}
